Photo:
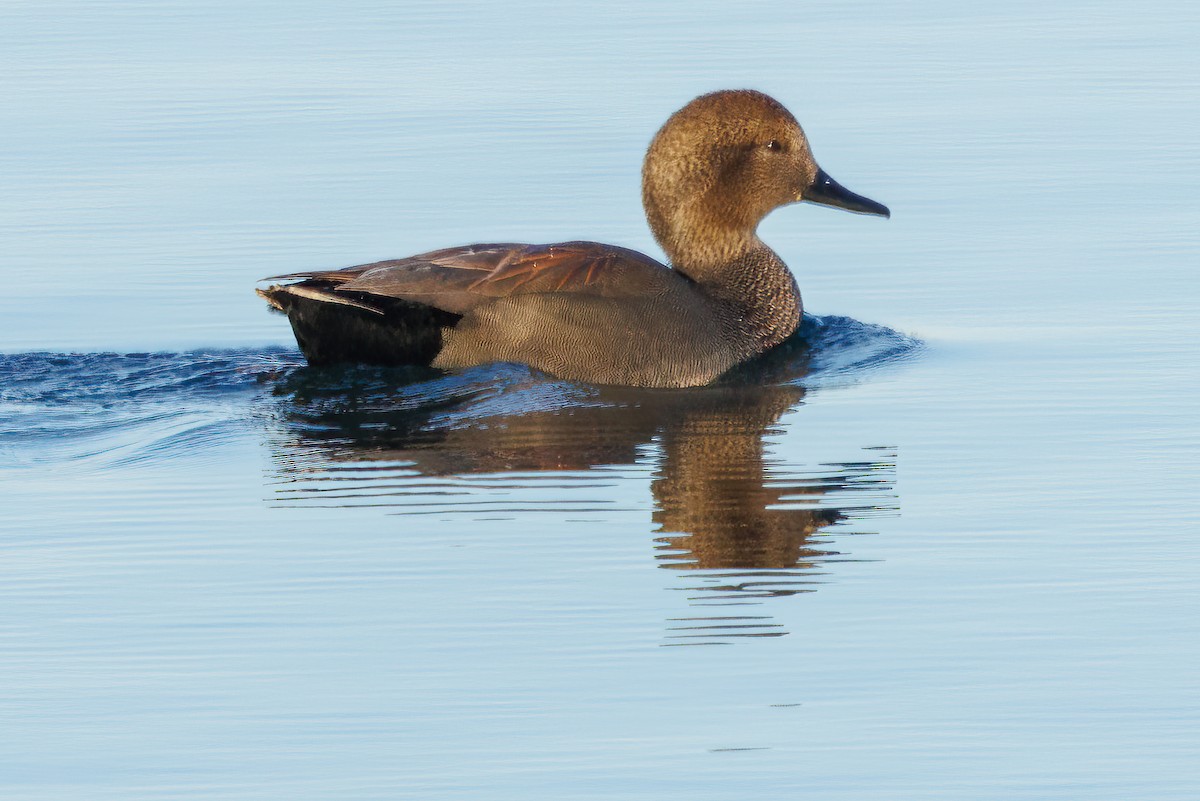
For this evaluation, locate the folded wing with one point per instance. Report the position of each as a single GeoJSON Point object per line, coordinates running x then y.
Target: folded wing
{"type": "Point", "coordinates": [458, 279]}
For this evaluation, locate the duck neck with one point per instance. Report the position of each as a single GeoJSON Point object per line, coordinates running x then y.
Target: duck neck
{"type": "Point", "coordinates": [748, 280]}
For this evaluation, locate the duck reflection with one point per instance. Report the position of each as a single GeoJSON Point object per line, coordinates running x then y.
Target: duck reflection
{"type": "Point", "coordinates": [736, 526]}
{"type": "Point", "coordinates": [748, 528]}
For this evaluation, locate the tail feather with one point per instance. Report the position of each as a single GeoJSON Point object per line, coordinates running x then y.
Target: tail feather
{"type": "Point", "coordinates": [316, 292]}
{"type": "Point", "coordinates": [325, 276]}
{"type": "Point", "coordinates": [334, 327]}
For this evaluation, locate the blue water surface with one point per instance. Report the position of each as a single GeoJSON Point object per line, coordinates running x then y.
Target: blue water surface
{"type": "Point", "coordinates": [942, 546]}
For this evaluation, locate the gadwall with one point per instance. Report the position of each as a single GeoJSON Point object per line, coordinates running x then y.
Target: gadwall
{"type": "Point", "coordinates": [598, 313]}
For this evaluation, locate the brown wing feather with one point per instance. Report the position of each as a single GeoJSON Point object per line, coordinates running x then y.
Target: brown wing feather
{"type": "Point", "coordinates": [457, 279]}
{"type": "Point", "coordinates": [470, 257]}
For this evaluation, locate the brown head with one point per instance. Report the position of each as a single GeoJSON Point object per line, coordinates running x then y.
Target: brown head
{"type": "Point", "coordinates": [720, 165]}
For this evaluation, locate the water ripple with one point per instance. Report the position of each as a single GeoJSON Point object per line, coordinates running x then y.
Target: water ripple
{"type": "Point", "coordinates": [137, 407]}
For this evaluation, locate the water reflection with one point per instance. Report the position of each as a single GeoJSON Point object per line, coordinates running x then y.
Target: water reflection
{"type": "Point", "coordinates": [736, 527]}
{"type": "Point", "coordinates": [747, 529]}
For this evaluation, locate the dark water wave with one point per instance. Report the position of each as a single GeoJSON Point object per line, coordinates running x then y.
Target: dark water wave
{"type": "Point", "coordinates": [128, 407]}
{"type": "Point", "coordinates": [87, 404]}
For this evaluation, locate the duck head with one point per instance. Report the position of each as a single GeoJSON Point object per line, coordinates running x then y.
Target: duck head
{"type": "Point", "coordinates": [720, 165]}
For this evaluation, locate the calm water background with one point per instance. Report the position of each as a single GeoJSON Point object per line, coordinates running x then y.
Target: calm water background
{"type": "Point", "coordinates": [949, 552]}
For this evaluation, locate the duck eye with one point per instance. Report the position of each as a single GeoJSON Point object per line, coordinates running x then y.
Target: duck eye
{"type": "Point", "coordinates": [774, 145]}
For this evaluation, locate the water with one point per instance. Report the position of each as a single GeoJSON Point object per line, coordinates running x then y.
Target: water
{"type": "Point", "coordinates": [942, 547]}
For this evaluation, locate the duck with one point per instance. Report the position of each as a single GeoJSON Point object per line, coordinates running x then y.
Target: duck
{"type": "Point", "coordinates": [596, 313]}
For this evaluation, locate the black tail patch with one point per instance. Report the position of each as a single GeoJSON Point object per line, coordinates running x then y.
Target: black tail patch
{"type": "Point", "coordinates": [335, 327]}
